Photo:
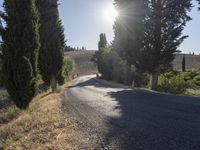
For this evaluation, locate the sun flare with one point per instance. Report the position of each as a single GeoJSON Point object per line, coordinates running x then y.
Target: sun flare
{"type": "Point", "coordinates": [110, 14]}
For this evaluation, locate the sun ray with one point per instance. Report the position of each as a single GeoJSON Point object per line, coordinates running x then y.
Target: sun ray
{"type": "Point", "coordinates": [110, 14]}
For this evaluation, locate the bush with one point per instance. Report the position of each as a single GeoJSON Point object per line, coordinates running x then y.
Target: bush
{"type": "Point", "coordinates": [68, 67]}
{"type": "Point", "coordinates": [172, 83]}
{"type": "Point", "coordinates": [196, 80]}
{"type": "Point", "coordinates": [187, 76]}
{"type": "Point", "coordinates": [115, 67]}
{"type": "Point", "coordinates": [140, 79]}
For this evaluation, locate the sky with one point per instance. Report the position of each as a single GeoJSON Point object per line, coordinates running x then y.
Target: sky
{"type": "Point", "coordinates": [84, 20]}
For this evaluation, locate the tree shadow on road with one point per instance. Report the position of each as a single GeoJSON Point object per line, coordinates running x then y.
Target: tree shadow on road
{"type": "Point", "coordinates": [155, 121]}
{"type": "Point", "coordinates": [93, 82]}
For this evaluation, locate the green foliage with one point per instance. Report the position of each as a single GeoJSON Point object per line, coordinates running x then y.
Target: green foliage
{"type": "Point", "coordinates": [20, 50]}
{"type": "Point", "coordinates": [118, 65]}
{"type": "Point", "coordinates": [68, 66]}
{"type": "Point", "coordinates": [52, 41]}
{"type": "Point", "coordinates": [164, 35]}
{"type": "Point", "coordinates": [69, 48]}
{"type": "Point", "coordinates": [172, 83]}
{"type": "Point", "coordinates": [103, 41]}
{"type": "Point", "coordinates": [196, 80]}
{"type": "Point", "coordinates": [105, 66]}
{"type": "Point", "coordinates": [129, 33]}
{"type": "Point", "coordinates": [147, 39]}
{"type": "Point", "coordinates": [140, 79]}
{"type": "Point", "coordinates": [192, 78]}
{"type": "Point", "coordinates": [129, 29]}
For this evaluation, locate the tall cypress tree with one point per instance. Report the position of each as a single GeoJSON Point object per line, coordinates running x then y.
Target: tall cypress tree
{"type": "Point", "coordinates": [129, 32]}
{"type": "Point", "coordinates": [103, 44]}
{"type": "Point", "coordinates": [103, 41]}
{"type": "Point", "coordinates": [164, 23]}
{"type": "Point", "coordinates": [20, 50]}
{"type": "Point", "coordinates": [52, 42]}
{"type": "Point", "coordinates": [183, 63]}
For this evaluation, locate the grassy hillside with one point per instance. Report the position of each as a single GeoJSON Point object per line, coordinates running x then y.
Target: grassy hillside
{"type": "Point", "coordinates": [84, 66]}
{"type": "Point", "coordinates": [192, 62]}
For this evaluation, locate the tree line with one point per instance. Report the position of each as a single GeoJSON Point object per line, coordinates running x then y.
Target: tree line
{"type": "Point", "coordinates": [69, 48]}
{"type": "Point", "coordinates": [147, 36]}
{"type": "Point", "coordinates": [32, 47]}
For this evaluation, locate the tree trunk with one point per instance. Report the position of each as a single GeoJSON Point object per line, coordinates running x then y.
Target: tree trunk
{"type": "Point", "coordinates": [54, 85]}
{"type": "Point", "coordinates": [128, 74]}
{"type": "Point", "coordinates": [154, 81]}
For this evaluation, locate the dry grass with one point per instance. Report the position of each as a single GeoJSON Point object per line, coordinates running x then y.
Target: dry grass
{"type": "Point", "coordinates": [43, 126]}
{"type": "Point", "coordinates": [193, 92]}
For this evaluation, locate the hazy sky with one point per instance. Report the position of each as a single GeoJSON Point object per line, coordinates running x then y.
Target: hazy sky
{"type": "Point", "coordinates": [84, 20]}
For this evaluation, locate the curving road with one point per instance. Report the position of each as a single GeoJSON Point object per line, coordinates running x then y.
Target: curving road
{"type": "Point", "coordinates": [136, 119]}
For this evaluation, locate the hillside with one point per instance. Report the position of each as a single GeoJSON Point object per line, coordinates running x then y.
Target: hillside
{"type": "Point", "coordinates": [192, 62]}
{"type": "Point", "coordinates": [83, 64]}
{"type": "Point", "coordinates": [85, 67]}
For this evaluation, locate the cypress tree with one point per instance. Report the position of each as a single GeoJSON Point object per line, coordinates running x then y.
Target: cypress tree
{"type": "Point", "coordinates": [20, 50]}
{"type": "Point", "coordinates": [129, 32]}
{"type": "Point", "coordinates": [164, 23]}
{"type": "Point", "coordinates": [183, 64]}
{"type": "Point", "coordinates": [103, 41]}
{"type": "Point", "coordinates": [52, 43]}
{"type": "Point", "coordinates": [101, 52]}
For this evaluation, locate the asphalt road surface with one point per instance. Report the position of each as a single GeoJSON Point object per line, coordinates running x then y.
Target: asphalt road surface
{"type": "Point", "coordinates": [136, 119]}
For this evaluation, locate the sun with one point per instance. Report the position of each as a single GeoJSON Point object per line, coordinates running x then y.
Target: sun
{"type": "Point", "coordinates": [110, 14]}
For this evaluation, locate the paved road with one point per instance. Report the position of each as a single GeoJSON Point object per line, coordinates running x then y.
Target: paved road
{"type": "Point", "coordinates": [136, 119]}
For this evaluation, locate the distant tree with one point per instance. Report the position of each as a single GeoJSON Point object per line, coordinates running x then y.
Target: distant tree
{"type": "Point", "coordinates": [83, 48]}
{"type": "Point", "coordinates": [164, 23]}
{"type": "Point", "coordinates": [69, 48]}
{"type": "Point", "coordinates": [68, 67]}
{"type": "Point", "coordinates": [183, 64]}
{"type": "Point", "coordinates": [20, 48]}
{"type": "Point", "coordinates": [103, 41]}
{"type": "Point", "coordinates": [129, 32]}
{"type": "Point", "coordinates": [102, 45]}
{"type": "Point", "coordinates": [52, 43]}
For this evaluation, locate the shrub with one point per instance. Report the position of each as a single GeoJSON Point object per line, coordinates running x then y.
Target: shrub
{"type": "Point", "coordinates": [140, 79]}
{"type": "Point", "coordinates": [187, 76]}
{"type": "Point", "coordinates": [172, 83]}
{"type": "Point", "coordinates": [68, 67]}
{"type": "Point", "coordinates": [196, 80]}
